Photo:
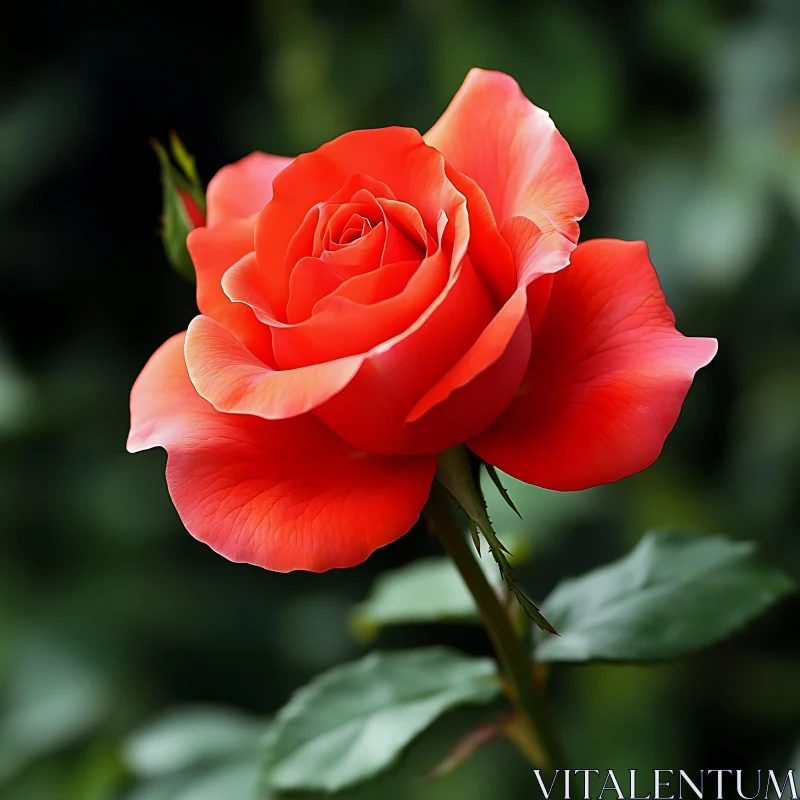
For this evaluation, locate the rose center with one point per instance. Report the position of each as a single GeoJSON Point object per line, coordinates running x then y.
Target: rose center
{"type": "Point", "coordinates": [356, 227]}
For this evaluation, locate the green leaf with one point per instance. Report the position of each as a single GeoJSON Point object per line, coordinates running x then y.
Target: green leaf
{"type": "Point", "coordinates": [184, 737]}
{"type": "Point", "coordinates": [54, 698]}
{"type": "Point", "coordinates": [353, 722]}
{"type": "Point", "coordinates": [674, 593]}
{"type": "Point", "coordinates": [236, 780]}
{"type": "Point", "coordinates": [428, 590]}
{"type": "Point", "coordinates": [240, 780]}
{"type": "Point", "coordinates": [178, 182]}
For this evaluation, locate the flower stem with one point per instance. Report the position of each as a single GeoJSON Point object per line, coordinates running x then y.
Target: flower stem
{"type": "Point", "coordinates": [533, 730]}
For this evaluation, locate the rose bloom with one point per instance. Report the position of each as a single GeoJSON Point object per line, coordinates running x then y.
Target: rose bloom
{"type": "Point", "coordinates": [386, 297]}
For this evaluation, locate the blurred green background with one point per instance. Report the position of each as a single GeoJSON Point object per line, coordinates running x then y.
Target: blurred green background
{"type": "Point", "coordinates": [685, 118]}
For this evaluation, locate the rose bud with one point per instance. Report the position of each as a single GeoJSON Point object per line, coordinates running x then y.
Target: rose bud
{"type": "Point", "coordinates": [192, 213]}
{"type": "Point", "coordinates": [184, 203]}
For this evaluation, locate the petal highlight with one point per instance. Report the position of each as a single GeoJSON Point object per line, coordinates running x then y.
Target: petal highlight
{"type": "Point", "coordinates": [226, 374]}
{"type": "Point", "coordinates": [493, 134]}
{"type": "Point", "coordinates": [214, 251]}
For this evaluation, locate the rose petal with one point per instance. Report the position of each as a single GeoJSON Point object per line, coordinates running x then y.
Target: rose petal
{"type": "Point", "coordinates": [232, 379]}
{"type": "Point", "coordinates": [395, 237]}
{"type": "Point", "coordinates": [357, 190]}
{"type": "Point", "coordinates": [493, 134]}
{"type": "Point", "coordinates": [162, 405]}
{"type": "Point", "coordinates": [214, 251]}
{"type": "Point", "coordinates": [396, 157]}
{"type": "Point", "coordinates": [348, 329]}
{"type": "Point", "coordinates": [372, 287]}
{"type": "Point", "coordinates": [538, 297]}
{"type": "Point", "coordinates": [362, 207]}
{"type": "Point", "coordinates": [407, 223]}
{"type": "Point", "coordinates": [340, 327]}
{"type": "Point", "coordinates": [406, 237]}
{"type": "Point", "coordinates": [490, 346]}
{"type": "Point", "coordinates": [283, 495]}
{"type": "Point", "coordinates": [490, 253]}
{"type": "Point", "coordinates": [314, 278]}
{"type": "Point", "coordinates": [243, 284]}
{"type": "Point", "coordinates": [243, 188]}
{"type": "Point", "coordinates": [371, 411]}
{"type": "Point", "coordinates": [536, 253]}
{"type": "Point", "coordinates": [607, 376]}
{"type": "Point", "coordinates": [473, 405]}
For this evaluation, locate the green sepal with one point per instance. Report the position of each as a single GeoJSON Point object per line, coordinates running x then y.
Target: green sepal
{"type": "Point", "coordinates": [178, 175]}
{"type": "Point", "coordinates": [457, 476]}
{"type": "Point", "coordinates": [491, 471]}
{"type": "Point", "coordinates": [473, 532]}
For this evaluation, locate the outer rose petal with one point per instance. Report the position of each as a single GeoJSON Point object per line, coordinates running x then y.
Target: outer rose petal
{"type": "Point", "coordinates": [243, 188]}
{"type": "Point", "coordinates": [607, 376]}
{"type": "Point", "coordinates": [234, 197]}
{"type": "Point", "coordinates": [226, 374]}
{"type": "Point", "coordinates": [282, 495]}
{"type": "Point", "coordinates": [489, 251]}
{"type": "Point", "coordinates": [492, 133]}
{"type": "Point", "coordinates": [214, 251]}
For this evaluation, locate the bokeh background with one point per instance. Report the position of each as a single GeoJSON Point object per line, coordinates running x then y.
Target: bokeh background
{"type": "Point", "coordinates": [685, 118]}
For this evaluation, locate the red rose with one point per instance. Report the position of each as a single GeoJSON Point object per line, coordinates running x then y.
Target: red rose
{"type": "Point", "coordinates": [386, 297]}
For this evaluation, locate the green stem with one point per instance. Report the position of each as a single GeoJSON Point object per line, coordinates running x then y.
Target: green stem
{"type": "Point", "coordinates": [534, 732]}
